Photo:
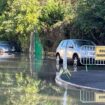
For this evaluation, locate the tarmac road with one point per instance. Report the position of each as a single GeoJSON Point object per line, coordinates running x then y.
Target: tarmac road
{"type": "Point", "coordinates": [92, 79]}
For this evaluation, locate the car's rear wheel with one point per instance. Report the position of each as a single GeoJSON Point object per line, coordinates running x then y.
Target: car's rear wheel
{"type": "Point", "coordinates": [58, 59]}
{"type": "Point", "coordinates": [76, 60]}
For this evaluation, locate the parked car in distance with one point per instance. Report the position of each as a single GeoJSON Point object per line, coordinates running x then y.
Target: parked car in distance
{"type": "Point", "coordinates": [72, 47]}
{"type": "Point", "coordinates": [7, 47]}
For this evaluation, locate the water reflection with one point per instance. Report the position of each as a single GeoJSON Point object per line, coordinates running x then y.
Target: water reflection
{"type": "Point", "coordinates": [65, 97]}
{"type": "Point", "coordinates": [92, 97]}
{"type": "Point", "coordinates": [17, 85]}
{"type": "Point", "coordinates": [6, 55]}
{"type": "Point", "coordinates": [86, 96]}
{"type": "Point", "coordinates": [13, 62]}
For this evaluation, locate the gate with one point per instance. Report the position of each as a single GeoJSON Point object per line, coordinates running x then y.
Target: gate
{"type": "Point", "coordinates": [88, 55]}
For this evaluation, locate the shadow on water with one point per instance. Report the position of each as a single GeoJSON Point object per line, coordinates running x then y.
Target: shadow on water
{"type": "Point", "coordinates": [47, 71]}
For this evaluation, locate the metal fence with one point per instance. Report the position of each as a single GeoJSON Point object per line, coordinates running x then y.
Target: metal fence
{"type": "Point", "coordinates": [88, 56]}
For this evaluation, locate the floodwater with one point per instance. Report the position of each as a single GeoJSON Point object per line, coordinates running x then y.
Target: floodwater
{"type": "Point", "coordinates": [25, 81]}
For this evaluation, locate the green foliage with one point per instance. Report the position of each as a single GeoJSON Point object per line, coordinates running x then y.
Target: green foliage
{"type": "Point", "coordinates": [81, 19]}
{"type": "Point", "coordinates": [19, 20]}
{"type": "Point", "coordinates": [22, 89]}
{"type": "Point", "coordinates": [52, 12]}
{"type": "Point", "coordinates": [90, 19]}
{"type": "Point", "coordinates": [26, 91]}
{"type": "Point", "coordinates": [54, 15]}
{"type": "Point", "coordinates": [2, 5]}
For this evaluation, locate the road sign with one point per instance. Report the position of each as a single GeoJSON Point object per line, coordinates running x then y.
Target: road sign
{"type": "Point", "coordinates": [100, 97]}
{"type": "Point", "coordinates": [100, 53]}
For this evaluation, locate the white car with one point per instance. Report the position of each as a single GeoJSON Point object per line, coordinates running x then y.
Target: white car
{"type": "Point", "coordinates": [72, 47]}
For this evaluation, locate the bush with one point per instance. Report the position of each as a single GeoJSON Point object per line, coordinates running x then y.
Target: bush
{"type": "Point", "coordinates": [51, 13]}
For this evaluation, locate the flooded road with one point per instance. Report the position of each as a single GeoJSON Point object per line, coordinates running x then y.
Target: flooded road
{"type": "Point", "coordinates": [32, 82]}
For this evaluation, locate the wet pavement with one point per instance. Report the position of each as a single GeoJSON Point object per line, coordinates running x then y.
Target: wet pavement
{"type": "Point", "coordinates": [94, 80]}
{"type": "Point", "coordinates": [45, 71]}
{"type": "Point", "coordinates": [79, 77]}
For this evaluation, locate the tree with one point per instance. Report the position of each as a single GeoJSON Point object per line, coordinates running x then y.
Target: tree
{"type": "Point", "coordinates": [91, 19]}
{"type": "Point", "coordinates": [51, 13]}
{"type": "Point", "coordinates": [2, 5]}
{"type": "Point", "coordinates": [19, 19]}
